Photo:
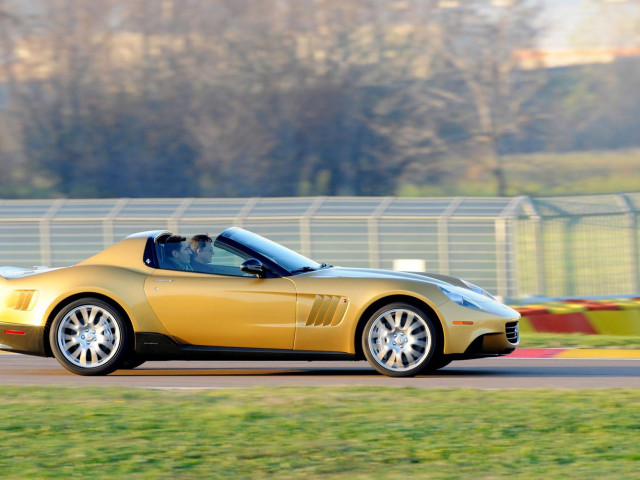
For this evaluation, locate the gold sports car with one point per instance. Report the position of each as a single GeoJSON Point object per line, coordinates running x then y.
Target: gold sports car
{"type": "Point", "coordinates": [256, 300]}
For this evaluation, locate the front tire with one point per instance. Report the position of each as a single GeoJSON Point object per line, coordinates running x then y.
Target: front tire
{"type": "Point", "coordinates": [399, 340]}
{"type": "Point", "coordinates": [89, 337]}
{"type": "Point", "coordinates": [131, 362]}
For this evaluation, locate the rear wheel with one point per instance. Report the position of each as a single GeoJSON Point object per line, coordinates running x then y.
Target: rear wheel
{"type": "Point", "coordinates": [399, 340]}
{"type": "Point", "coordinates": [89, 337]}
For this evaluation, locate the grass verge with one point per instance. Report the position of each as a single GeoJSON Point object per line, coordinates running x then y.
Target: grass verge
{"type": "Point", "coordinates": [319, 433]}
{"type": "Point", "coordinates": [577, 340]}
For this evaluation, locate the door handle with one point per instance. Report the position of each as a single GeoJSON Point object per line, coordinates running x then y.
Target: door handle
{"type": "Point", "coordinates": [163, 279]}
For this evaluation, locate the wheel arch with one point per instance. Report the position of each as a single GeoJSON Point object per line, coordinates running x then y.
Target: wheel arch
{"type": "Point", "coordinates": [381, 302]}
{"type": "Point", "coordinates": [77, 296]}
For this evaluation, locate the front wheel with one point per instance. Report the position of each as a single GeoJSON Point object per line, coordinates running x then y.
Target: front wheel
{"type": "Point", "coordinates": [89, 337]}
{"type": "Point", "coordinates": [399, 340]}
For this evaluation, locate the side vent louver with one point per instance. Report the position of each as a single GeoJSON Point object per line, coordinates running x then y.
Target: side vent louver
{"type": "Point", "coordinates": [22, 299]}
{"type": "Point", "coordinates": [327, 311]}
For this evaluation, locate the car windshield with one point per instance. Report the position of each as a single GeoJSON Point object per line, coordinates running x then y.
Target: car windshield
{"type": "Point", "coordinates": [288, 259]}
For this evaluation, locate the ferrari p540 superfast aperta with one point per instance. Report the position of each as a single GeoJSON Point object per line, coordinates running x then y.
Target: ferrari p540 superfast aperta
{"type": "Point", "coordinates": [142, 299]}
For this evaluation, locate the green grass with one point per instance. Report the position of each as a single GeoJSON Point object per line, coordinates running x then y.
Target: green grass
{"type": "Point", "coordinates": [539, 174]}
{"type": "Point", "coordinates": [577, 340]}
{"type": "Point", "coordinates": [319, 433]}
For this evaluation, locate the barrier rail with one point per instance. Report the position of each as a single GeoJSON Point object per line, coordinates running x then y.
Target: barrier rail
{"type": "Point", "coordinates": [514, 247]}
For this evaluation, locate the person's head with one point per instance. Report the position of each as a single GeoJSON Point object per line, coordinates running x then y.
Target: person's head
{"type": "Point", "coordinates": [202, 248]}
{"type": "Point", "coordinates": [177, 249]}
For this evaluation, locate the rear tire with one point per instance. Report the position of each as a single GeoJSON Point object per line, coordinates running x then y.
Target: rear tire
{"type": "Point", "coordinates": [399, 340]}
{"type": "Point", "coordinates": [89, 337]}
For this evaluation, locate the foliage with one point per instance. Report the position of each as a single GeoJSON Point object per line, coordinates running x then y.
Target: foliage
{"type": "Point", "coordinates": [240, 98]}
{"type": "Point", "coordinates": [289, 97]}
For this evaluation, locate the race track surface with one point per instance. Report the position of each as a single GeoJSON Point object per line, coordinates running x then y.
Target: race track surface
{"type": "Point", "coordinates": [489, 373]}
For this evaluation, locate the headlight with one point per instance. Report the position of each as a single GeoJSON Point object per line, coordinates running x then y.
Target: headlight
{"type": "Point", "coordinates": [459, 298]}
{"type": "Point", "coordinates": [477, 289]}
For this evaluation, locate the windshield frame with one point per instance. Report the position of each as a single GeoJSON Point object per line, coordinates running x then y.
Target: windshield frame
{"type": "Point", "coordinates": [280, 259]}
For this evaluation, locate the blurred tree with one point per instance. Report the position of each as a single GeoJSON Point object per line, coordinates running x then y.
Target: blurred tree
{"type": "Point", "coordinates": [493, 98]}
{"type": "Point", "coordinates": [270, 98]}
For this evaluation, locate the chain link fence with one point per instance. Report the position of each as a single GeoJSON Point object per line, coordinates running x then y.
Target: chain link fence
{"type": "Point", "coordinates": [514, 247]}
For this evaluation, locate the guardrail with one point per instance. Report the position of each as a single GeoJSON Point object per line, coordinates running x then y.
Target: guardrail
{"type": "Point", "coordinates": [517, 247]}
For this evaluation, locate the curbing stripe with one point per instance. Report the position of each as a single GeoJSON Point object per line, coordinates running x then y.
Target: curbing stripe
{"type": "Point", "coordinates": [536, 352]}
{"type": "Point", "coordinates": [621, 322]}
{"type": "Point", "coordinates": [595, 353]}
{"type": "Point", "coordinates": [620, 316]}
{"type": "Point", "coordinates": [562, 323]}
{"type": "Point", "coordinates": [598, 353]}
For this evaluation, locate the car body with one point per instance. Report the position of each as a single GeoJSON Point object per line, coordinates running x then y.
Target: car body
{"type": "Point", "coordinates": [259, 300]}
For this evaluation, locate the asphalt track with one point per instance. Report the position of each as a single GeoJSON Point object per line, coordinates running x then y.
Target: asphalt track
{"type": "Point", "coordinates": [546, 371]}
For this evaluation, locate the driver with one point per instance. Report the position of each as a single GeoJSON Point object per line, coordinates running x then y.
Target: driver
{"type": "Point", "coordinates": [178, 253]}
{"type": "Point", "coordinates": [202, 248]}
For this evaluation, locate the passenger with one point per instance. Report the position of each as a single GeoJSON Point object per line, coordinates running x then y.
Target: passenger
{"type": "Point", "coordinates": [177, 253]}
{"type": "Point", "coordinates": [201, 246]}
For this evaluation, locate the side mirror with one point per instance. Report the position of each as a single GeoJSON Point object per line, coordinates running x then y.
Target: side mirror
{"type": "Point", "coordinates": [254, 267]}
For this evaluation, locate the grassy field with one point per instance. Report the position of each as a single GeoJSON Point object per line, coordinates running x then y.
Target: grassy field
{"type": "Point", "coordinates": [577, 340]}
{"type": "Point", "coordinates": [540, 174]}
{"type": "Point", "coordinates": [319, 433]}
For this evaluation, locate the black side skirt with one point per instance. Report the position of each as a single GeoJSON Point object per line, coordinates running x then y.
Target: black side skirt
{"type": "Point", "coordinates": [155, 346]}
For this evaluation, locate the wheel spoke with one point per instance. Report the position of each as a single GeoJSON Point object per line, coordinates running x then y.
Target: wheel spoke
{"type": "Point", "coordinates": [92, 316]}
{"type": "Point", "coordinates": [96, 353]}
{"type": "Point", "coordinates": [83, 356]}
{"type": "Point", "coordinates": [382, 352]}
{"type": "Point", "coordinates": [398, 318]}
{"type": "Point", "coordinates": [411, 320]}
{"type": "Point", "coordinates": [74, 322]}
{"type": "Point", "coordinates": [410, 357]}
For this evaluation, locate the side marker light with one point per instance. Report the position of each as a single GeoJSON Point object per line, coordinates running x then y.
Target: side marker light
{"type": "Point", "coordinates": [14, 332]}
{"type": "Point", "coordinates": [463, 323]}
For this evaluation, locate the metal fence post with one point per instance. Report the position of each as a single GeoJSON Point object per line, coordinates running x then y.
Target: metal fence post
{"type": "Point", "coordinates": [305, 226]}
{"type": "Point", "coordinates": [172, 224]}
{"type": "Point", "coordinates": [238, 221]}
{"type": "Point", "coordinates": [443, 235]}
{"type": "Point", "coordinates": [633, 242]}
{"type": "Point", "coordinates": [45, 232]}
{"type": "Point", "coordinates": [372, 229]}
{"type": "Point", "coordinates": [569, 256]}
{"type": "Point", "coordinates": [107, 223]}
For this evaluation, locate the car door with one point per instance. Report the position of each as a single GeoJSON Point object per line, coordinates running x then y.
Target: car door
{"type": "Point", "coordinates": [224, 310]}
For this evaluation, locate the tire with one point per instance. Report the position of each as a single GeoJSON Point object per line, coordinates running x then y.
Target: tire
{"type": "Point", "coordinates": [438, 362]}
{"type": "Point", "coordinates": [131, 362]}
{"type": "Point", "coordinates": [89, 337]}
{"type": "Point", "coordinates": [399, 340]}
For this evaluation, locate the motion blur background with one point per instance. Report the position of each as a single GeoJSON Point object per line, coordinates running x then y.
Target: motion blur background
{"type": "Point", "coordinates": [378, 100]}
{"type": "Point", "coordinates": [219, 98]}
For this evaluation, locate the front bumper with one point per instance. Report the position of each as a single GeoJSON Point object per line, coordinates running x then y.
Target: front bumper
{"type": "Point", "coordinates": [496, 343]}
{"type": "Point", "coordinates": [22, 339]}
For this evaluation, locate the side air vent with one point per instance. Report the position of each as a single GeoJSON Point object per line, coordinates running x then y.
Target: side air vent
{"type": "Point", "coordinates": [327, 311]}
{"type": "Point", "coordinates": [22, 299]}
{"type": "Point", "coordinates": [513, 334]}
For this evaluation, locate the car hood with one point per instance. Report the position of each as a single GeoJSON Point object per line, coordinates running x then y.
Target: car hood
{"type": "Point", "coordinates": [344, 272]}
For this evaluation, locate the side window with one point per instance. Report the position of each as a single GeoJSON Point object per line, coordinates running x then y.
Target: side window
{"type": "Point", "coordinates": [228, 262]}
{"type": "Point", "coordinates": [174, 256]}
